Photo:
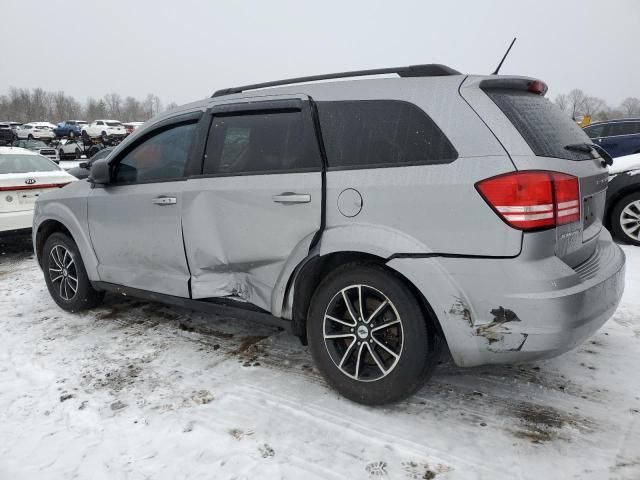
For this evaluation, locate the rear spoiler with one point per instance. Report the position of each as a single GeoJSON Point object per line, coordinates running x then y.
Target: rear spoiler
{"type": "Point", "coordinates": [525, 84]}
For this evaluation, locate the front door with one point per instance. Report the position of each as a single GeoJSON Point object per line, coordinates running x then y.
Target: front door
{"type": "Point", "coordinates": [134, 221]}
{"type": "Point", "coordinates": [256, 208]}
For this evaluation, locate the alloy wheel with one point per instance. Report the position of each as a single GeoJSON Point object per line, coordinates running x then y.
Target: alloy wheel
{"type": "Point", "coordinates": [363, 333]}
{"type": "Point", "coordinates": [63, 272]}
{"type": "Point", "coordinates": [630, 220]}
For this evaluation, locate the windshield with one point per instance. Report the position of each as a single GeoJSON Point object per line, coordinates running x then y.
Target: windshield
{"type": "Point", "coordinates": [114, 124]}
{"type": "Point", "coordinates": [20, 163]}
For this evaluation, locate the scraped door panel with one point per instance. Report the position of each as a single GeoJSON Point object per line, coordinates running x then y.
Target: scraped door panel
{"type": "Point", "coordinates": [137, 240]}
{"type": "Point", "coordinates": [238, 238]}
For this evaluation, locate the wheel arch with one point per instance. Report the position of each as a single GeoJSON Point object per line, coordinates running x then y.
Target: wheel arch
{"type": "Point", "coordinates": [619, 195]}
{"type": "Point", "coordinates": [305, 281]}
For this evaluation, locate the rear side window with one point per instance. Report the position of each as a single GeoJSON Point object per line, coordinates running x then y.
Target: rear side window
{"type": "Point", "coordinates": [545, 127]}
{"type": "Point", "coordinates": [261, 143]}
{"type": "Point", "coordinates": [381, 133]}
{"type": "Point", "coordinates": [624, 128]}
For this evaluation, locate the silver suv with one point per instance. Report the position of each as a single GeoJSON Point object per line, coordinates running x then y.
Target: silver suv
{"type": "Point", "coordinates": [371, 217]}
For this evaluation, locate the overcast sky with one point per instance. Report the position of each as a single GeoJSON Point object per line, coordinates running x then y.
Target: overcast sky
{"type": "Point", "coordinates": [183, 50]}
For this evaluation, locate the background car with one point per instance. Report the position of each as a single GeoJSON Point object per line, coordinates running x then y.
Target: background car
{"type": "Point", "coordinates": [617, 137]}
{"type": "Point", "coordinates": [7, 135]}
{"type": "Point", "coordinates": [104, 129]}
{"type": "Point", "coordinates": [36, 130]}
{"type": "Point", "coordinates": [83, 169]}
{"type": "Point", "coordinates": [130, 127]}
{"type": "Point", "coordinates": [24, 176]}
{"type": "Point", "coordinates": [69, 128]}
{"type": "Point", "coordinates": [38, 146]}
{"type": "Point", "coordinates": [623, 199]}
{"type": "Point", "coordinates": [70, 149]}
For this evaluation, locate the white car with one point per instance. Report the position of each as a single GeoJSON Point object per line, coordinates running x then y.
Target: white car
{"type": "Point", "coordinates": [36, 130]}
{"type": "Point", "coordinates": [104, 128]}
{"type": "Point", "coordinates": [24, 176]}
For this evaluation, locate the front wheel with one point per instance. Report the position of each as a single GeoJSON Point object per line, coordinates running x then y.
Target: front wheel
{"type": "Point", "coordinates": [368, 335]}
{"type": "Point", "coordinates": [65, 275]}
{"type": "Point", "coordinates": [625, 219]}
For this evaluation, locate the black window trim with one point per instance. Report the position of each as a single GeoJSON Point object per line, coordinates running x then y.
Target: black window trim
{"type": "Point", "coordinates": [258, 107]}
{"type": "Point", "coordinates": [163, 125]}
{"type": "Point", "coordinates": [371, 166]}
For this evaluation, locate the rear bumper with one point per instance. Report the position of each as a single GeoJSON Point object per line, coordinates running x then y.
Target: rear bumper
{"type": "Point", "coordinates": [15, 220]}
{"type": "Point", "coordinates": [517, 310]}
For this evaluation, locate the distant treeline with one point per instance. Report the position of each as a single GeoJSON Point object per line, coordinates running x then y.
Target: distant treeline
{"type": "Point", "coordinates": [37, 104]}
{"type": "Point", "coordinates": [578, 104]}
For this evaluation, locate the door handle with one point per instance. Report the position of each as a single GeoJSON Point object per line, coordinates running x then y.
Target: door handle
{"type": "Point", "coordinates": [290, 197]}
{"type": "Point", "coordinates": [164, 201]}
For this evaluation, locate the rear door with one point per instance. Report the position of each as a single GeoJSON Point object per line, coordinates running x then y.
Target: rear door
{"type": "Point", "coordinates": [535, 133]}
{"type": "Point", "coordinates": [252, 213]}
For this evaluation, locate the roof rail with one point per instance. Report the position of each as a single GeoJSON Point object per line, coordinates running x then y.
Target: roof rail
{"type": "Point", "coordinates": [426, 70]}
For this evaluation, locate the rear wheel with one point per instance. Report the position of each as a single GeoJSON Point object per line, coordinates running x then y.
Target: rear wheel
{"type": "Point", "coordinates": [625, 219]}
{"type": "Point", "coordinates": [66, 276]}
{"type": "Point", "coordinates": [369, 336]}
{"type": "Point", "coordinates": [78, 153]}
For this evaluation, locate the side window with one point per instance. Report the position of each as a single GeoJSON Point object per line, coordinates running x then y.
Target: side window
{"type": "Point", "coordinates": [261, 143]}
{"type": "Point", "coordinates": [99, 123]}
{"type": "Point", "coordinates": [381, 133]}
{"type": "Point", "coordinates": [624, 128]}
{"type": "Point", "coordinates": [595, 131]}
{"type": "Point", "coordinates": [162, 156]}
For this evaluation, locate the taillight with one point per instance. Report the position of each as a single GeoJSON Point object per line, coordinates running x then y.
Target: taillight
{"type": "Point", "coordinates": [533, 200]}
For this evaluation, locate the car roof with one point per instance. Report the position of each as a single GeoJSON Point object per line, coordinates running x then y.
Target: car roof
{"type": "Point", "coordinates": [16, 150]}
{"type": "Point", "coordinates": [106, 120]}
{"type": "Point", "coordinates": [617, 120]}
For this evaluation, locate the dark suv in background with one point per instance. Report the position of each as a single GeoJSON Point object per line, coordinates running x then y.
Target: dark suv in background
{"type": "Point", "coordinates": [617, 137]}
{"type": "Point", "coordinates": [6, 134]}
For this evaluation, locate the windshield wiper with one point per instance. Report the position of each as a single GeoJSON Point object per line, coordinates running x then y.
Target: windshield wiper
{"type": "Point", "coordinates": [591, 147]}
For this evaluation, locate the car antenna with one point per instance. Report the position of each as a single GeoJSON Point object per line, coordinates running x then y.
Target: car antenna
{"type": "Point", "coordinates": [505, 56]}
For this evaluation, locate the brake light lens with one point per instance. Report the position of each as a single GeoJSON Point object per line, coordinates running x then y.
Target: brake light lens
{"type": "Point", "coordinates": [538, 87]}
{"type": "Point", "coordinates": [533, 200]}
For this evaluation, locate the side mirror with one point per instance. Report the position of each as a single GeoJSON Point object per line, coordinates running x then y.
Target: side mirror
{"type": "Point", "coordinates": [100, 174]}
{"type": "Point", "coordinates": [84, 165]}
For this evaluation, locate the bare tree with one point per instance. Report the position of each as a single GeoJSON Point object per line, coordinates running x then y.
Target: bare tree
{"type": "Point", "coordinates": [576, 99]}
{"type": "Point", "coordinates": [171, 106]}
{"type": "Point", "coordinates": [113, 103]}
{"type": "Point", "coordinates": [151, 106]}
{"type": "Point", "coordinates": [593, 106]}
{"type": "Point", "coordinates": [630, 106]}
{"type": "Point", "coordinates": [562, 101]}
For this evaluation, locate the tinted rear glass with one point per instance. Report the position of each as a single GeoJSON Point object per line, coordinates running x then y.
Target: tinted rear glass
{"type": "Point", "coordinates": [624, 128]}
{"type": "Point", "coordinates": [26, 164]}
{"type": "Point", "coordinates": [381, 133]}
{"type": "Point", "coordinates": [545, 127]}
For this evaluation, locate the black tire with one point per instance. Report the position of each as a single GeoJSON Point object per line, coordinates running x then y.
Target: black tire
{"type": "Point", "coordinates": [61, 154]}
{"type": "Point", "coordinates": [418, 350]}
{"type": "Point", "coordinates": [104, 137]}
{"type": "Point", "coordinates": [29, 137]}
{"type": "Point", "coordinates": [85, 296]}
{"type": "Point", "coordinates": [616, 220]}
{"type": "Point", "coordinates": [78, 154]}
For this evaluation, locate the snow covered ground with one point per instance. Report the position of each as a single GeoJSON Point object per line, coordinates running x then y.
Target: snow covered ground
{"type": "Point", "coordinates": [137, 390]}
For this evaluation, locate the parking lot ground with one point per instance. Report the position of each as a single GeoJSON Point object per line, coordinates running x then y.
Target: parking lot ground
{"type": "Point", "coordinates": [138, 390]}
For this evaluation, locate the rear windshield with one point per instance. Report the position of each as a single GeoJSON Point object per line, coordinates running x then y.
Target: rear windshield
{"type": "Point", "coordinates": [10, 163]}
{"type": "Point", "coordinates": [545, 127]}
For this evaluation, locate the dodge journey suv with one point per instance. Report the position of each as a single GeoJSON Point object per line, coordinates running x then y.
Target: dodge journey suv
{"type": "Point", "coordinates": [376, 219]}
